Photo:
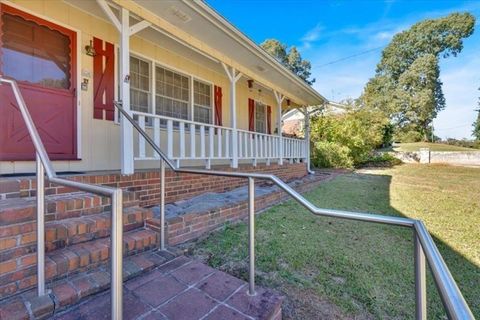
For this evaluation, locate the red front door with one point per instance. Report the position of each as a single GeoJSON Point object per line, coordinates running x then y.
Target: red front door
{"type": "Point", "coordinates": [41, 57]}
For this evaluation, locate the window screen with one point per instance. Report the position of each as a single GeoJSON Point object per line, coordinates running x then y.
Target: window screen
{"type": "Point", "coordinates": [202, 93]}
{"type": "Point", "coordinates": [139, 85]}
{"type": "Point", "coordinates": [172, 93]}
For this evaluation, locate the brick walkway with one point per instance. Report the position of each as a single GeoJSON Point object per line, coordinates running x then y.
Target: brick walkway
{"type": "Point", "coordinates": [183, 289]}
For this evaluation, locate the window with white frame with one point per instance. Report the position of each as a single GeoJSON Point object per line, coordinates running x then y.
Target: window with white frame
{"type": "Point", "coordinates": [172, 93]}
{"type": "Point", "coordinates": [140, 85]}
{"type": "Point", "coordinates": [202, 102]}
{"type": "Point", "coordinates": [260, 117]}
{"type": "Point", "coordinates": [176, 95]}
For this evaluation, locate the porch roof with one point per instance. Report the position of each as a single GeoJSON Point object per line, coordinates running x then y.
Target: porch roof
{"type": "Point", "coordinates": [199, 27]}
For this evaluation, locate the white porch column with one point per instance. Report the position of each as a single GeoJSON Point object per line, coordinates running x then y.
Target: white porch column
{"type": "Point", "coordinates": [279, 98]}
{"type": "Point", "coordinates": [307, 137]}
{"type": "Point", "coordinates": [126, 128]}
{"type": "Point", "coordinates": [126, 141]}
{"type": "Point", "coordinates": [233, 76]}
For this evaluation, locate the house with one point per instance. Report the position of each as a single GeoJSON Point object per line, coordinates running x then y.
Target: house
{"type": "Point", "coordinates": [203, 91]}
{"type": "Point", "coordinates": [196, 90]}
{"type": "Point", "coordinates": [181, 62]}
{"type": "Point", "coordinates": [294, 120]}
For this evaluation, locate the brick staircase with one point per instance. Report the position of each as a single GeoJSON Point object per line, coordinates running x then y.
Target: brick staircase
{"type": "Point", "coordinates": [77, 231]}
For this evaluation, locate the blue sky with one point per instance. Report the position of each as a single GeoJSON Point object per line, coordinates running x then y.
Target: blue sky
{"type": "Point", "coordinates": [326, 31]}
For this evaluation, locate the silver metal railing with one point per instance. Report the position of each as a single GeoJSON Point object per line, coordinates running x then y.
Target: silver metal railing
{"type": "Point", "coordinates": [425, 249]}
{"type": "Point", "coordinates": [44, 166]}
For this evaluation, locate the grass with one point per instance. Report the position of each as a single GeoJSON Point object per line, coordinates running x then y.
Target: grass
{"type": "Point", "coordinates": [415, 146]}
{"type": "Point", "coordinates": [331, 268]}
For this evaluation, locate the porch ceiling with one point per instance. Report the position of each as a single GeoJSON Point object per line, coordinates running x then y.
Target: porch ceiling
{"type": "Point", "coordinates": [208, 27]}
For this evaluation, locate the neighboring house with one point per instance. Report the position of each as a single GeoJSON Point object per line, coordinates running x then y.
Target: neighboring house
{"type": "Point", "coordinates": [206, 94]}
{"type": "Point", "coordinates": [294, 120]}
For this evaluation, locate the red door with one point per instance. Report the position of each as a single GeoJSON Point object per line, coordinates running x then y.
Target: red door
{"type": "Point", "coordinates": [41, 57]}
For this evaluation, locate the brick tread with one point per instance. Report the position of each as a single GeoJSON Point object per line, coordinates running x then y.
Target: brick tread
{"type": "Point", "coordinates": [58, 207]}
{"type": "Point", "coordinates": [74, 259]}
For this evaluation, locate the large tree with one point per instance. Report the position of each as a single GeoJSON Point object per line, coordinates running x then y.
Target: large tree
{"type": "Point", "coordinates": [476, 124]}
{"type": "Point", "coordinates": [291, 58]}
{"type": "Point", "coordinates": [407, 86]}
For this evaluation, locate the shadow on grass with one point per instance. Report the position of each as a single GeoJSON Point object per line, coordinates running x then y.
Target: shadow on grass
{"type": "Point", "coordinates": [372, 199]}
{"type": "Point", "coordinates": [363, 268]}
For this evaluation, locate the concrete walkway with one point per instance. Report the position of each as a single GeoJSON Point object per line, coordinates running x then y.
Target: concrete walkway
{"type": "Point", "coordinates": [183, 289]}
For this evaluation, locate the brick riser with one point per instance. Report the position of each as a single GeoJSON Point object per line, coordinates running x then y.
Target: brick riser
{"type": "Point", "coordinates": [76, 236]}
{"type": "Point", "coordinates": [71, 260]}
{"type": "Point", "coordinates": [146, 184]}
{"type": "Point", "coordinates": [58, 207]}
{"type": "Point", "coordinates": [59, 234]}
{"type": "Point", "coordinates": [18, 224]}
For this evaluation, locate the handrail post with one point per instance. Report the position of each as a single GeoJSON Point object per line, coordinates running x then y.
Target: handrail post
{"type": "Point", "coordinates": [162, 205]}
{"type": "Point", "coordinates": [251, 235]}
{"type": "Point", "coordinates": [420, 279]}
{"type": "Point", "coordinates": [425, 248]}
{"type": "Point", "coordinates": [117, 255]}
{"type": "Point", "coordinates": [40, 226]}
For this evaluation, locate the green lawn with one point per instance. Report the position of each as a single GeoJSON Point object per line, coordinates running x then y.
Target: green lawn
{"type": "Point", "coordinates": [410, 147]}
{"type": "Point", "coordinates": [331, 268]}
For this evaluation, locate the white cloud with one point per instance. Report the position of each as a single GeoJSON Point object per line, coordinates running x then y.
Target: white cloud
{"type": "Point", "coordinates": [311, 36]}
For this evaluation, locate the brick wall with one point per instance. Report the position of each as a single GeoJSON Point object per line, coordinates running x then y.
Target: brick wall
{"type": "Point", "coordinates": [146, 184]}
{"type": "Point", "coordinates": [191, 226]}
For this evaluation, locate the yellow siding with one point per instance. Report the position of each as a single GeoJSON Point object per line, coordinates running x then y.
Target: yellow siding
{"type": "Point", "coordinates": [100, 139]}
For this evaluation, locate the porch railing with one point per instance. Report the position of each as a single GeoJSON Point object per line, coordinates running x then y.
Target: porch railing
{"type": "Point", "coordinates": [424, 251]}
{"type": "Point", "coordinates": [44, 166]}
{"type": "Point", "coordinates": [190, 140]}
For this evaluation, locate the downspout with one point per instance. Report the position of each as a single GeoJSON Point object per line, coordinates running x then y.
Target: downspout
{"type": "Point", "coordinates": [307, 137]}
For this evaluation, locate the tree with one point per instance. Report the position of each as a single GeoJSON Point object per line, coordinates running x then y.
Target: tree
{"type": "Point", "coordinates": [476, 124]}
{"type": "Point", "coordinates": [407, 86]}
{"type": "Point", "coordinates": [289, 58]}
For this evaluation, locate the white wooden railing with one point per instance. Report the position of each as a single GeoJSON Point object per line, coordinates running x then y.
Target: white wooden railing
{"type": "Point", "coordinates": [196, 141]}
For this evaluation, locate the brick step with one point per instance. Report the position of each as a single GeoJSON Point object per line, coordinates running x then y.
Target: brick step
{"type": "Point", "coordinates": [21, 238]}
{"type": "Point", "coordinates": [57, 207]}
{"type": "Point", "coordinates": [64, 233]}
{"type": "Point", "coordinates": [20, 274]}
{"type": "Point", "coordinates": [64, 293]}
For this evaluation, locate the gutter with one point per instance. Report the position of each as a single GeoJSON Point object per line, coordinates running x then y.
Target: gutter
{"type": "Point", "coordinates": [217, 19]}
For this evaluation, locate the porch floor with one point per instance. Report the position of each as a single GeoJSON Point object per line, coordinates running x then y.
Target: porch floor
{"type": "Point", "coordinates": [183, 289]}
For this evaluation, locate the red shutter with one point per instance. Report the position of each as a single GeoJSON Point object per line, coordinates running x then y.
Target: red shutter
{"type": "Point", "coordinates": [251, 115]}
{"type": "Point", "coordinates": [218, 105]}
{"type": "Point", "coordinates": [103, 79]}
{"type": "Point", "coordinates": [269, 120]}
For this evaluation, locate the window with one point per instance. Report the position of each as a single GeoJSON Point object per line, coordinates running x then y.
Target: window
{"type": "Point", "coordinates": [139, 85]}
{"type": "Point", "coordinates": [260, 117]}
{"type": "Point", "coordinates": [176, 95]}
{"type": "Point", "coordinates": [35, 53]}
{"type": "Point", "coordinates": [202, 105]}
{"type": "Point", "coordinates": [172, 93]}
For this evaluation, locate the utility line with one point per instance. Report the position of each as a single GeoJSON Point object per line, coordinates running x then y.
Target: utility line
{"type": "Point", "coordinates": [347, 57]}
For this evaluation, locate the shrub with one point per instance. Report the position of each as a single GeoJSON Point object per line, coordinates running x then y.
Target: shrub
{"type": "Point", "coordinates": [381, 159]}
{"type": "Point", "coordinates": [347, 139]}
{"type": "Point", "coordinates": [331, 155]}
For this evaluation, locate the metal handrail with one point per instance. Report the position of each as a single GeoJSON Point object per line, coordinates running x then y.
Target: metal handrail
{"type": "Point", "coordinates": [44, 166]}
{"type": "Point", "coordinates": [424, 246]}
